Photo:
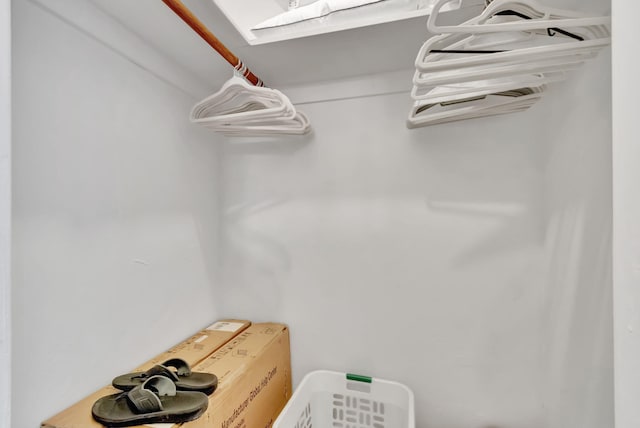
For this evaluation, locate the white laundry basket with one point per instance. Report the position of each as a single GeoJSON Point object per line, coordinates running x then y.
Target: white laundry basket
{"type": "Point", "coordinates": [326, 399]}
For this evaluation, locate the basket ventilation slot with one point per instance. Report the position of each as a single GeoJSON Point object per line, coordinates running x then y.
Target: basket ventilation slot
{"type": "Point", "coordinates": [354, 412]}
{"type": "Point", "coordinates": [304, 421]}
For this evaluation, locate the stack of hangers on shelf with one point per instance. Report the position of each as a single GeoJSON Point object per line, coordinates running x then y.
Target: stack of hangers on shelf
{"type": "Point", "coordinates": [500, 61]}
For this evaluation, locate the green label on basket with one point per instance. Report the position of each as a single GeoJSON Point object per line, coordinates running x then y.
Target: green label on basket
{"type": "Point", "coordinates": [358, 378]}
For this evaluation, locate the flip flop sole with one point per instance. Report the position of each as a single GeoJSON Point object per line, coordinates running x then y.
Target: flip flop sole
{"type": "Point", "coordinates": [115, 411]}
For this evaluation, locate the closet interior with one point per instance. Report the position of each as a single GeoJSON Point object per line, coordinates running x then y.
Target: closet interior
{"type": "Point", "coordinates": [469, 259]}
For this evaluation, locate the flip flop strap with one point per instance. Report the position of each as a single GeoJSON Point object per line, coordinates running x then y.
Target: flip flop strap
{"type": "Point", "coordinates": [160, 370]}
{"type": "Point", "coordinates": [144, 401]}
{"type": "Point", "coordinates": [145, 398]}
{"type": "Point", "coordinates": [181, 366]}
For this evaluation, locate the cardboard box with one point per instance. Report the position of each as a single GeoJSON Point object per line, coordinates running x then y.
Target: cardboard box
{"type": "Point", "coordinates": [193, 350]}
{"type": "Point", "coordinates": [254, 379]}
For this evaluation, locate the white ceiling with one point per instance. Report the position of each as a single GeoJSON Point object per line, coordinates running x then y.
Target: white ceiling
{"type": "Point", "coordinates": [363, 51]}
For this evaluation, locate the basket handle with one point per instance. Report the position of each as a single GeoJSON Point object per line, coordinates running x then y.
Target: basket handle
{"type": "Point", "coordinates": [359, 378]}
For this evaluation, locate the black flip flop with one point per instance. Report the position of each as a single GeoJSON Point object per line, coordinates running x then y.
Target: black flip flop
{"type": "Point", "coordinates": [183, 377]}
{"type": "Point", "coordinates": [155, 401]}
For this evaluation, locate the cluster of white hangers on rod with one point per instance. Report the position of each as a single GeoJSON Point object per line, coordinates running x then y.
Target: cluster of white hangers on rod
{"type": "Point", "coordinates": [500, 61]}
{"type": "Point", "coordinates": [243, 106]}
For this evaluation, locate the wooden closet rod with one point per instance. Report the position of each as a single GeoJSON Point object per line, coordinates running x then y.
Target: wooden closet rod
{"type": "Point", "coordinates": [192, 21]}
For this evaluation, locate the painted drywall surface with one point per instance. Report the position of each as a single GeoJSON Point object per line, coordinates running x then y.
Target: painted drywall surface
{"type": "Point", "coordinates": [88, 18]}
{"type": "Point", "coordinates": [432, 256]}
{"type": "Point", "coordinates": [5, 212]}
{"type": "Point", "coordinates": [626, 209]}
{"type": "Point", "coordinates": [408, 255]}
{"type": "Point", "coordinates": [578, 318]}
{"type": "Point", "coordinates": [114, 210]}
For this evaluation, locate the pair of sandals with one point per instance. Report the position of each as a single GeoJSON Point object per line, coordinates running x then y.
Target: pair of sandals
{"type": "Point", "coordinates": [159, 395]}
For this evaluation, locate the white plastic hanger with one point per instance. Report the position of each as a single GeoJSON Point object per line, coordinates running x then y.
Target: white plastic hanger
{"type": "Point", "coordinates": [297, 126]}
{"type": "Point", "coordinates": [423, 114]}
{"type": "Point", "coordinates": [491, 65]}
{"type": "Point", "coordinates": [470, 74]}
{"type": "Point", "coordinates": [236, 98]}
{"type": "Point", "coordinates": [502, 50]}
{"type": "Point", "coordinates": [239, 108]}
{"type": "Point", "coordinates": [443, 93]}
{"type": "Point", "coordinates": [474, 111]}
{"type": "Point", "coordinates": [507, 46]}
{"type": "Point", "coordinates": [455, 58]}
{"type": "Point", "coordinates": [542, 18]}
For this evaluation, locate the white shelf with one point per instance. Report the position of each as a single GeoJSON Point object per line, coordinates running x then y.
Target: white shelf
{"type": "Point", "coordinates": [245, 14]}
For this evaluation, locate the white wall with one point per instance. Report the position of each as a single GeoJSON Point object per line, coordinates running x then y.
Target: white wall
{"type": "Point", "coordinates": [407, 255]}
{"type": "Point", "coordinates": [577, 319]}
{"type": "Point", "coordinates": [469, 261]}
{"type": "Point", "coordinates": [115, 216]}
{"type": "Point", "coordinates": [626, 212]}
{"type": "Point", "coordinates": [5, 212]}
